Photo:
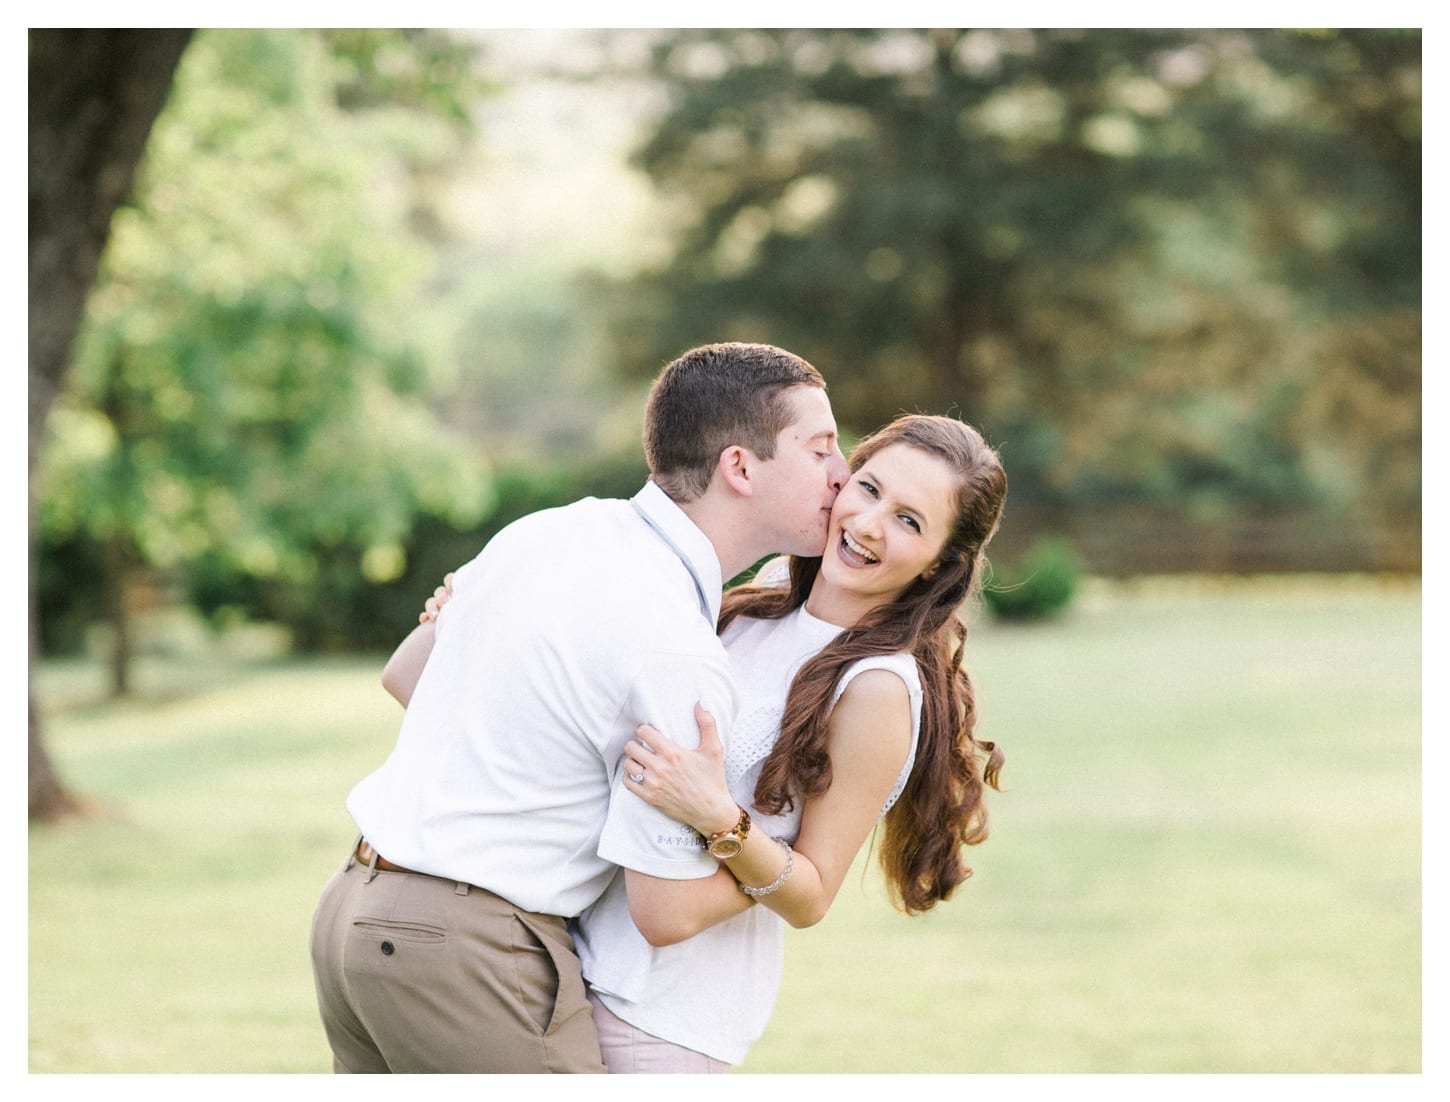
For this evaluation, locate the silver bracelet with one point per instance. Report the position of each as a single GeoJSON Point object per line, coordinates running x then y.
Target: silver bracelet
{"type": "Point", "coordinates": [756, 893]}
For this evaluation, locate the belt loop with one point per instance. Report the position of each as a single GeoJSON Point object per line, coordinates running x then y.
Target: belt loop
{"type": "Point", "coordinates": [372, 863]}
{"type": "Point", "coordinates": [460, 888]}
{"type": "Point", "coordinates": [352, 855]}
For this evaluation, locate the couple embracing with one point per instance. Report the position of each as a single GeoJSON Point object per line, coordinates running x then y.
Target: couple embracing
{"type": "Point", "coordinates": [614, 783]}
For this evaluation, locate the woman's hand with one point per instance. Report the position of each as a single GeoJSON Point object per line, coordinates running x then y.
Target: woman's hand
{"type": "Point", "coordinates": [438, 600]}
{"type": "Point", "coordinates": [687, 785]}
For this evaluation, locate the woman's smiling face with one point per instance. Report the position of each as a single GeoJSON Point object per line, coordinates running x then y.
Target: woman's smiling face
{"type": "Point", "coordinates": [888, 527]}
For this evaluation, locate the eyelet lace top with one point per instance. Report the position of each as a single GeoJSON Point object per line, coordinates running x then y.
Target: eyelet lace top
{"type": "Point", "coordinates": [766, 656]}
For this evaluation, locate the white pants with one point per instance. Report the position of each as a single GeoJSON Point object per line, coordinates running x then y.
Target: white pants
{"type": "Point", "coordinates": [629, 1050]}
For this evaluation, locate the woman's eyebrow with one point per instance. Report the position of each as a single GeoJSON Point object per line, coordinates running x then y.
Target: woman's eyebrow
{"type": "Point", "coordinates": [865, 472]}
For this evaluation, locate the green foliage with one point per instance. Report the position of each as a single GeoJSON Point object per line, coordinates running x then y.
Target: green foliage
{"type": "Point", "coordinates": [1043, 584]}
{"type": "Point", "coordinates": [69, 576]}
{"type": "Point", "coordinates": [1165, 264]}
{"type": "Point", "coordinates": [427, 73]}
{"type": "Point", "coordinates": [250, 398]}
{"type": "Point", "coordinates": [341, 607]}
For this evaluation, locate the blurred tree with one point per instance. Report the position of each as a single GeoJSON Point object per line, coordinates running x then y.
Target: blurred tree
{"type": "Point", "coordinates": [1119, 251]}
{"type": "Point", "coordinates": [249, 396]}
{"type": "Point", "coordinates": [93, 95]}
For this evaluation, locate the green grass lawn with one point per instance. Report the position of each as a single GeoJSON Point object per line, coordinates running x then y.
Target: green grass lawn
{"type": "Point", "coordinates": [1208, 859]}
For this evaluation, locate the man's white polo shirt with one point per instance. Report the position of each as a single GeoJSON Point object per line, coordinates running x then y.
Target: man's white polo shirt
{"type": "Point", "coordinates": [568, 630]}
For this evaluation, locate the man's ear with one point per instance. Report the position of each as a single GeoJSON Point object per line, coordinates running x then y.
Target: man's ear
{"type": "Point", "coordinates": [736, 467]}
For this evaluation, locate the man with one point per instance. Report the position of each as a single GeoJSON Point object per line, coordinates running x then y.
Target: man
{"type": "Point", "coordinates": [442, 945]}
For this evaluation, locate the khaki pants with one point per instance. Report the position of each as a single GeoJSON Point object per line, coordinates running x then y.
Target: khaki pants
{"type": "Point", "coordinates": [419, 974]}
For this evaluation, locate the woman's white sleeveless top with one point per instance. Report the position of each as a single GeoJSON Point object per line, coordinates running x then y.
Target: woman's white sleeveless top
{"type": "Point", "coordinates": [715, 992]}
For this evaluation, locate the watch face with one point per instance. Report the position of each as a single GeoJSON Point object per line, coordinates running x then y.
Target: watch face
{"type": "Point", "coordinates": [726, 848]}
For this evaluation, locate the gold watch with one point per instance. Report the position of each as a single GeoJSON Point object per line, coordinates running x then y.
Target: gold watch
{"type": "Point", "coordinates": [725, 844]}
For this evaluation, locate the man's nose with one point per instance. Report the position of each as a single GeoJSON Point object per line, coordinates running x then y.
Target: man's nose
{"type": "Point", "coordinates": [840, 470]}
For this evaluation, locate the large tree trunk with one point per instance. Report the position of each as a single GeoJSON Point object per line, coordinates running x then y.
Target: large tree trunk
{"type": "Point", "coordinates": [94, 95]}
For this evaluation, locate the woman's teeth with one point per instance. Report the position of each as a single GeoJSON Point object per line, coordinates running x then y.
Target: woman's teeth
{"type": "Point", "coordinates": [856, 549]}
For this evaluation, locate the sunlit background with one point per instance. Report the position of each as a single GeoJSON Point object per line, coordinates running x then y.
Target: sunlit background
{"type": "Point", "coordinates": [1174, 276]}
{"type": "Point", "coordinates": [376, 293]}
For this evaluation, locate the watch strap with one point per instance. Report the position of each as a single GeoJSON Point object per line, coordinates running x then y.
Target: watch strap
{"type": "Point", "coordinates": [739, 831]}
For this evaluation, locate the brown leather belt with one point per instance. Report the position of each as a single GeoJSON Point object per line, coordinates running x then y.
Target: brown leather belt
{"type": "Point", "coordinates": [372, 858]}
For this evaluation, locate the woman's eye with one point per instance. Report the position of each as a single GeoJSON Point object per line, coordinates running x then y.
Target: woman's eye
{"type": "Point", "coordinates": [911, 522]}
{"type": "Point", "coordinates": [870, 489]}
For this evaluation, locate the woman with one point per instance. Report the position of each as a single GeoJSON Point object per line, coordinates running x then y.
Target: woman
{"type": "Point", "coordinates": [854, 706]}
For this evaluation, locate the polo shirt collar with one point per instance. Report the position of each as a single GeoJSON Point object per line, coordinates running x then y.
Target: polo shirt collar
{"type": "Point", "coordinates": [668, 521]}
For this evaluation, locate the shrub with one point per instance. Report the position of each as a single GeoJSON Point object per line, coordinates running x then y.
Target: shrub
{"type": "Point", "coordinates": [1042, 585]}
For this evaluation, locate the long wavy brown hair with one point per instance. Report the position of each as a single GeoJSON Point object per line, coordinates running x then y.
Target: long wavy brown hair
{"type": "Point", "coordinates": [942, 807]}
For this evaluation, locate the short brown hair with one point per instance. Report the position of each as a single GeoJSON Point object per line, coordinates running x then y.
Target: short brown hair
{"type": "Point", "coordinates": [711, 398]}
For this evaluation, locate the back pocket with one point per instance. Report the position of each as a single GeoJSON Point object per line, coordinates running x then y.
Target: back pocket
{"type": "Point", "coordinates": [402, 931]}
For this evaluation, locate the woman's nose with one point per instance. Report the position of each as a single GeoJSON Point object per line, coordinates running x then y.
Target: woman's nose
{"type": "Point", "coordinates": [868, 521]}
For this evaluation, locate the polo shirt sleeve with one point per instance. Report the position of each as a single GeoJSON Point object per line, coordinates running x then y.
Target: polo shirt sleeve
{"type": "Point", "coordinates": [664, 695]}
